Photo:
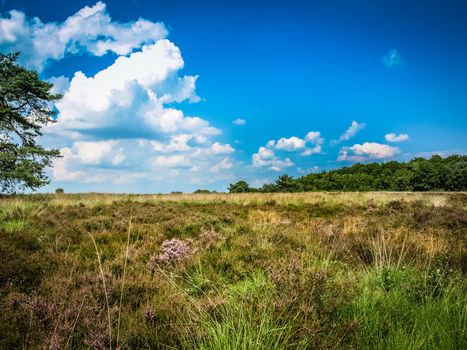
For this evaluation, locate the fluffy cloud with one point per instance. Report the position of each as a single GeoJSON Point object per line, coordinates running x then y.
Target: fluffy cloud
{"type": "Point", "coordinates": [96, 152]}
{"type": "Point", "coordinates": [77, 161]}
{"type": "Point", "coordinates": [173, 161]}
{"type": "Point", "coordinates": [182, 142]}
{"type": "Point", "coordinates": [111, 161]}
{"type": "Point", "coordinates": [89, 30]}
{"type": "Point", "coordinates": [352, 130]}
{"type": "Point", "coordinates": [129, 98]}
{"type": "Point", "coordinates": [225, 164]}
{"type": "Point", "coordinates": [239, 121]}
{"type": "Point", "coordinates": [61, 170]}
{"type": "Point", "coordinates": [314, 138]}
{"type": "Point", "coordinates": [367, 151]}
{"type": "Point", "coordinates": [393, 59]}
{"type": "Point", "coordinates": [291, 144]}
{"type": "Point", "coordinates": [60, 84]}
{"type": "Point", "coordinates": [309, 145]}
{"type": "Point", "coordinates": [391, 137]}
{"type": "Point", "coordinates": [266, 156]}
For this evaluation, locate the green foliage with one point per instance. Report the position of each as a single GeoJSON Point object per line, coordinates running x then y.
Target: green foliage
{"type": "Point", "coordinates": [420, 174]}
{"type": "Point", "coordinates": [286, 183]}
{"type": "Point", "coordinates": [239, 187]}
{"type": "Point", "coordinates": [204, 191]}
{"type": "Point", "coordinates": [59, 191]}
{"type": "Point", "coordinates": [24, 109]}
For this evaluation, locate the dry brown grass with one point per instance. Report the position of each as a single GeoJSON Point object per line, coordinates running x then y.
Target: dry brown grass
{"type": "Point", "coordinates": [437, 199]}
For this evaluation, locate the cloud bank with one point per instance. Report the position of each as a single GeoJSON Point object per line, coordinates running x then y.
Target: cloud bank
{"type": "Point", "coordinates": [125, 123]}
{"type": "Point", "coordinates": [90, 30]}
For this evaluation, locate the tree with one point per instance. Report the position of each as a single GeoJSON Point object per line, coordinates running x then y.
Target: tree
{"type": "Point", "coordinates": [25, 107]}
{"type": "Point", "coordinates": [269, 188]}
{"type": "Point", "coordinates": [239, 187]}
{"type": "Point", "coordinates": [456, 179]}
{"type": "Point", "coordinates": [202, 191]}
{"type": "Point", "coordinates": [286, 183]}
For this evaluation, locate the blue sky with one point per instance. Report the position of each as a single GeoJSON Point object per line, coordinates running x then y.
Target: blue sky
{"type": "Point", "coordinates": [224, 91]}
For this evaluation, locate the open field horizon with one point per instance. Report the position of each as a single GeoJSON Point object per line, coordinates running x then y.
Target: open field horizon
{"type": "Point", "coordinates": [437, 198]}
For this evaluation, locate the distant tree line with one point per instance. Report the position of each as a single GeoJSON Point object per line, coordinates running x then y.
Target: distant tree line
{"type": "Point", "coordinates": [419, 174]}
{"type": "Point", "coordinates": [204, 191]}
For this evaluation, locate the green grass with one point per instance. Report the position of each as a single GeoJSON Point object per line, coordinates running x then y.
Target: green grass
{"type": "Point", "coordinates": [11, 226]}
{"type": "Point", "coordinates": [245, 320]}
{"type": "Point", "coordinates": [402, 309]}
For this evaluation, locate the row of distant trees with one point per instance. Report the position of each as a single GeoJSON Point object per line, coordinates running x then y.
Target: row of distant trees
{"type": "Point", "coordinates": [420, 174]}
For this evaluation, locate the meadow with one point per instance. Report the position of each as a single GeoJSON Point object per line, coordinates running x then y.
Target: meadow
{"type": "Point", "coordinates": [370, 270]}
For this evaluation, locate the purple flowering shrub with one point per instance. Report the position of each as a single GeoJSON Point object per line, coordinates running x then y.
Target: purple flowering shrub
{"type": "Point", "coordinates": [173, 250]}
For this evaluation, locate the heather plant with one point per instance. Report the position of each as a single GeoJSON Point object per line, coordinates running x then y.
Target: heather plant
{"type": "Point", "coordinates": [173, 250]}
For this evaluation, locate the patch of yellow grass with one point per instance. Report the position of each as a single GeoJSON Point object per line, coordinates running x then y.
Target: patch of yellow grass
{"type": "Point", "coordinates": [437, 199]}
{"type": "Point", "coordinates": [354, 225]}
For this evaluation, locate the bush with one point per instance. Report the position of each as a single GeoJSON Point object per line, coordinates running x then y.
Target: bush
{"type": "Point", "coordinates": [239, 187]}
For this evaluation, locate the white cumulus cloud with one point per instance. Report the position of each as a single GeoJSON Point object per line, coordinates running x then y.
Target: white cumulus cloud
{"type": "Point", "coordinates": [60, 84]}
{"type": "Point", "coordinates": [90, 30]}
{"type": "Point", "coordinates": [309, 145]}
{"type": "Point", "coordinates": [291, 144]}
{"type": "Point", "coordinates": [367, 151]}
{"type": "Point", "coordinates": [181, 159]}
{"type": "Point", "coordinates": [266, 156]}
{"type": "Point", "coordinates": [392, 137]}
{"type": "Point", "coordinates": [129, 98]}
{"type": "Point", "coordinates": [225, 164]}
{"type": "Point", "coordinates": [95, 152]}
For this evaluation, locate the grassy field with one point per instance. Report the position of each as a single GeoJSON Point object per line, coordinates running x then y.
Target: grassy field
{"type": "Point", "coordinates": [224, 271]}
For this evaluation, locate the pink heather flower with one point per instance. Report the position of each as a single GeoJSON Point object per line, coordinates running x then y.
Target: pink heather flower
{"type": "Point", "coordinates": [172, 251]}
